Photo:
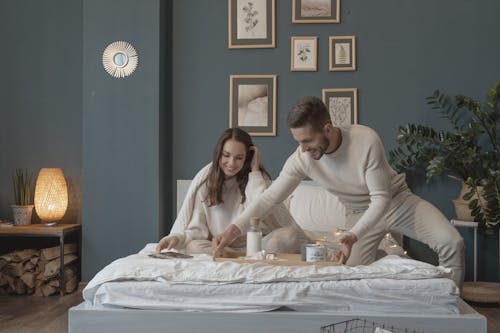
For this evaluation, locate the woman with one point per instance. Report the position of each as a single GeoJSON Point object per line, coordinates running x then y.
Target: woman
{"type": "Point", "coordinates": [220, 192]}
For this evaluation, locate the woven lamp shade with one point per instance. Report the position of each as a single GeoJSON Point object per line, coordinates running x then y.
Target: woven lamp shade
{"type": "Point", "coordinates": [51, 194]}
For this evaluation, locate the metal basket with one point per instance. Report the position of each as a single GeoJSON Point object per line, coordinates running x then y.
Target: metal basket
{"type": "Point", "coordinates": [364, 326]}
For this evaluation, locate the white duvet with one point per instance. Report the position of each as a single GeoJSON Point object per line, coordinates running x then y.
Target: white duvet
{"type": "Point", "coordinates": [201, 284]}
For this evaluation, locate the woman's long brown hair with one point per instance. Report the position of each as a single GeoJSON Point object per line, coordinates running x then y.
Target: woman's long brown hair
{"type": "Point", "coordinates": [215, 179]}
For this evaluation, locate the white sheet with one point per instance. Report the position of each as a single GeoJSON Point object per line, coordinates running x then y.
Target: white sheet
{"type": "Point", "coordinates": [430, 296]}
{"type": "Point", "coordinates": [390, 284]}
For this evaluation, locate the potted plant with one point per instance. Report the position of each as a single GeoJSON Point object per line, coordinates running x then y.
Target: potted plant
{"type": "Point", "coordinates": [470, 152]}
{"type": "Point", "coordinates": [22, 209]}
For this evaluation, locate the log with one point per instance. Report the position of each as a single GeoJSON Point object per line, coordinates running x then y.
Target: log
{"type": "Point", "coordinates": [29, 266]}
{"type": "Point", "coordinates": [3, 263]}
{"type": "Point", "coordinates": [52, 267]}
{"type": "Point", "coordinates": [14, 269]}
{"type": "Point", "coordinates": [54, 283]}
{"type": "Point", "coordinates": [28, 279]}
{"type": "Point", "coordinates": [19, 287]}
{"type": "Point", "coordinates": [69, 271]}
{"type": "Point", "coordinates": [48, 290]}
{"type": "Point", "coordinates": [38, 288]}
{"type": "Point", "coordinates": [71, 284]}
{"type": "Point", "coordinates": [10, 281]}
{"type": "Point", "coordinates": [51, 253]}
{"type": "Point", "coordinates": [3, 280]}
{"type": "Point", "coordinates": [18, 256]}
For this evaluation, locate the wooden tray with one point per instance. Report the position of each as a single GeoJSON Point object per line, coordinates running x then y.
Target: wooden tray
{"type": "Point", "coordinates": [283, 259]}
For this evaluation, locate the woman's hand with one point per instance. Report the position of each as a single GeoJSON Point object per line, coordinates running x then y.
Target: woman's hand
{"type": "Point", "coordinates": [255, 163]}
{"type": "Point", "coordinates": [167, 243]}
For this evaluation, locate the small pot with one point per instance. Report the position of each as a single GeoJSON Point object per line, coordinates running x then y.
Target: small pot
{"type": "Point", "coordinates": [22, 214]}
{"type": "Point", "coordinates": [462, 210]}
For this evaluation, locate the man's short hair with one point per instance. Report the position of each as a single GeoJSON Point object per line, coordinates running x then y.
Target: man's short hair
{"type": "Point", "coordinates": [309, 110]}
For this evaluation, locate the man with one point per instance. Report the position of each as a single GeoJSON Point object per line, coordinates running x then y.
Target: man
{"type": "Point", "coordinates": [351, 164]}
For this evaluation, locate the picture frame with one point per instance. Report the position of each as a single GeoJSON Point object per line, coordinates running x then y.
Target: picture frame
{"type": "Point", "coordinates": [252, 103]}
{"type": "Point", "coordinates": [304, 53]}
{"type": "Point", "coordinates": [342, 103]}
{"type": "Point", "coordinates": [251, 24]}
{"type": "Point", "coordinates": [342, 53]}
{"type": "Point", "coordinates": [316, 11]}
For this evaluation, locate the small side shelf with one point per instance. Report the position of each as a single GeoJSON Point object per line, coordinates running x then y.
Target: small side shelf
{"type": "Point", "coordinates": [469, 224]}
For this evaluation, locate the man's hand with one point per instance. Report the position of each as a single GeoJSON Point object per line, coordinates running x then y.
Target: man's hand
{"type": "Point", "coordinates": [347, 242]}
{"type": "Point", "coordinates": [166, 243]}
{"type": "Point", "coordinates": [226, 238]}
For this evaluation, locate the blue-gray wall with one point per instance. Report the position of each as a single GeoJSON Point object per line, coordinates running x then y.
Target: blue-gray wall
{"type": "Point", "coordinates": [405, 50]}
{"type": "Point", "coordinates": [40, 94]}
{"type": "Point", "coordinates": [122, 124]}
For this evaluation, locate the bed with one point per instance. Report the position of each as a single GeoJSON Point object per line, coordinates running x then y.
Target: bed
{"type": "Point", "coordinates": [141, 294]}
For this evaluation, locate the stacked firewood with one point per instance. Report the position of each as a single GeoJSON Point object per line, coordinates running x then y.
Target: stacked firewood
{"type": "Point", "coordinates": [37, 271]}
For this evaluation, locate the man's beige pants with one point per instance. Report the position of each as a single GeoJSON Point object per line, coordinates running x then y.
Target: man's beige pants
{"type": "Point", "coordinates": [418, 219]}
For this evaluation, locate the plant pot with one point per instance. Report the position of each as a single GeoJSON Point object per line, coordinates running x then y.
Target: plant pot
{"type": "Point", "coordinates": [462, 210]}
{"type": "Point", "coordinates": [22, 214]}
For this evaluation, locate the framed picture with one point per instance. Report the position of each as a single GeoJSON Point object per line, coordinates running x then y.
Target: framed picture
{"type": "Point", "coordinates": [316, 11]}
{"type": "Point", "coordinates": [304, 53]}
{"type": "Point", "coordinates": [252, 104]}
{"type": "Point", "coordinates": [342, 105]}
{"type": "Point", "coordinates": [342, 53]}
{"type": "Point", "coordinates": [251, 24]}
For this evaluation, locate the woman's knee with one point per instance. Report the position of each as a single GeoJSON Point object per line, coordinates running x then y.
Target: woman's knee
{"type": "Point", "coordinates": [199, 247]}
{"type": "Point", "coordinates": [287, 239]}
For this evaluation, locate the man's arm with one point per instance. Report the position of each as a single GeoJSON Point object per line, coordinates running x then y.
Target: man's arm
{"type": "Point", "coordinates": [290, 177]}
{"type": "Point", "coordinates": [378, 182]}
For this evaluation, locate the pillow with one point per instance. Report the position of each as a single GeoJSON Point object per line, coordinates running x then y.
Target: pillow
{"type": "Point", "coordinates": [316, 209]}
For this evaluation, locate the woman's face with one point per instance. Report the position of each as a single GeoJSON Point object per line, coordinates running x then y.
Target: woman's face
{"type": "Point", "coordinates": [232, 158]}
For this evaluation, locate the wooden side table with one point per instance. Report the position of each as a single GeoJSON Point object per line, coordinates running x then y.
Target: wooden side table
{"type": "Point", "coordinates": [40, 230]}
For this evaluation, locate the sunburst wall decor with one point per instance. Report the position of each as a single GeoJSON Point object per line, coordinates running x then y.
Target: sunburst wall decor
{"type": "Point", "coordinates": [120, 59]}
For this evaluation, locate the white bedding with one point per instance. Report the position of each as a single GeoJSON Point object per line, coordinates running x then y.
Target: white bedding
{"type": "Point", "coordinates": [391, 284]}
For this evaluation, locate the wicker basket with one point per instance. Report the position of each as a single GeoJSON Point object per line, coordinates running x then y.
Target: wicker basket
{"type": "Point", "coordinates": [364, 326]}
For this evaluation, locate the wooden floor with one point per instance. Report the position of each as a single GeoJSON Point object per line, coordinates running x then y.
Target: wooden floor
{"type": "Point", "coordinates": [26, 314]}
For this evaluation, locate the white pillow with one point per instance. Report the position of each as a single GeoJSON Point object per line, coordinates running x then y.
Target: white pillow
{"type": "Point", "coordinates": [316, 209]}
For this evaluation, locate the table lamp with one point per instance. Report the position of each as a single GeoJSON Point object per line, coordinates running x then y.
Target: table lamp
{"type": "Point", "coordinates": [51, 195]}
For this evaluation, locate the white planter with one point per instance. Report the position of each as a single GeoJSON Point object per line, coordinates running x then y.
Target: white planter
{"type": "Point", "coordinates": [22, 214]}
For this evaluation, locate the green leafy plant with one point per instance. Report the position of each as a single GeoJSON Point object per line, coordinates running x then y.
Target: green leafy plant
{"type": "Point", "coordinates": [22, 182]}
{"type": "Point", "coordinates": [470, 152]}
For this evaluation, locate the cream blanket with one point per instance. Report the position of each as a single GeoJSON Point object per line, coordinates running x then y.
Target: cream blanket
{"type": "Point", "coordinates": [203, 270]}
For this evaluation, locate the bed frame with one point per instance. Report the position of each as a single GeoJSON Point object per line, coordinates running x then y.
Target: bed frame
{"type": "Point", "coordinates": [85, 318]}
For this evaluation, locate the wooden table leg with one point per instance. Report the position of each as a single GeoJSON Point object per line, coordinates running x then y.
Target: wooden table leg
{"type": "Point", "coordinates": [62, 287]}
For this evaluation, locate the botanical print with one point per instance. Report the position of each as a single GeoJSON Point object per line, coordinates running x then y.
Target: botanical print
{"type": "Point", "coordinates": [252, 105]}
{"type": "Point", "coordinates": [342, 54]}
{"type": "Point", "coordinates": [340, 111]}
{"type": "Point", "coordinates": [304, 53]}
{"type": "Point", "coordinates": [251, 20]}
{"type": "Point", "coordinates": [316, 8]}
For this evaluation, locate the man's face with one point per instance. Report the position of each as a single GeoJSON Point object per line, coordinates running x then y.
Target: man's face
{"type": "Point", "coordinates": [311, 141]}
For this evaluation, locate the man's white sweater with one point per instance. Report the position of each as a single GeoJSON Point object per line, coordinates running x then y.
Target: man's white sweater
{"type": "Point", "coordinates": [357, 173]}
